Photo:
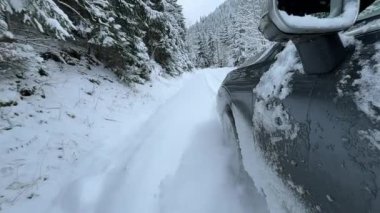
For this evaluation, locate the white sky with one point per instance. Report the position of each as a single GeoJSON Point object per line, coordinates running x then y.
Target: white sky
{"type": "Point", "coordinates": [194, 9]}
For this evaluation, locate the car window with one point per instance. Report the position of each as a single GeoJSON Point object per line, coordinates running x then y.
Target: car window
{"type": "Point", "coordinates": [368, 20]}
{"type": "Point", "coordinates": [371, 11]}
{"type": "Point", "coordinates": [272, 53]}
{"type": "Point", "coordinates": [265, 55]}
{"type": "Point", "coordinates": [258, 56]}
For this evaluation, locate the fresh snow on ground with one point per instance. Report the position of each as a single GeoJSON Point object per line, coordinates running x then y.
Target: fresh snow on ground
{"type": "Point", "coordinates": [85, 143]}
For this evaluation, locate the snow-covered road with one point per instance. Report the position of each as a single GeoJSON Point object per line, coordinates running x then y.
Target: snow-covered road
{"type": "Point", "coordinates": [176, 162]}
{"type": "Point", "coordinates": [168, 158]}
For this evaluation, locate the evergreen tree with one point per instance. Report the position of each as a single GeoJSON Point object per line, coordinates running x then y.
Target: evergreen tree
{"type": "Point", "coordinates": [201, 54]}
{"type": "Point", "coordinates": [234, 27]}
{"type": "Point", "coordinates": [224, 45]}
{"type": "Point", "coordinates": [45, 15]}
{"type": "Point", "coordinates": [238, 47]}
{"type": "Point", "coordinates": [211, 50]}
{"type": "Point", "coordinates": [129, 18]}
{"type": "Point", "coordinates": [165, 36]}
{"type": "Point", "coordinates": [4, 33]}
{"type": "Point", "coordinates": [127, 35]}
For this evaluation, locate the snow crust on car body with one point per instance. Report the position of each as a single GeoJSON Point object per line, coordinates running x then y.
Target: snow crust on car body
{"type": "Point", "coordinates": [269, 114]}
{"type": "Point", "coordinates": [280, 198]}
{"type": "Point", "coordinates": [368, 96]}
{"type": "Point", "coordinates": [373, 136]}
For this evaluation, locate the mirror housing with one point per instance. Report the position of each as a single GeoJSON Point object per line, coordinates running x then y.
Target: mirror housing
{"type": "Point", "coordinates": [313, 26]}
{"type": "Point", "coordinates": [285, 19]}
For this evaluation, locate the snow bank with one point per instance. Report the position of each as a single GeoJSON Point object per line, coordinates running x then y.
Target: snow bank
{"type": "Point", "coordinates": [85, 143]}
{"type": "Point", "coordinates": [73, 122]}
{"type": "Point", "coordinates": [14, 52]}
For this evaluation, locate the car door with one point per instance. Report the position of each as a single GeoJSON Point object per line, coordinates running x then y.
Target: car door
{"type": "Point", "coordinates": [319, 140]}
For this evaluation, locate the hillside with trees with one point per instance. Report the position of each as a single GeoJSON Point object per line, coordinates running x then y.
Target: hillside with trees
{"type": "Point", "coordinates": [129, 36]}
{"type": "Point", "coordinates": [229, 36]}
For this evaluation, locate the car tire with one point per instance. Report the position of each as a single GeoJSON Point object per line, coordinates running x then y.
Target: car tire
{"type": "Point", "coordinates": [229, 130]}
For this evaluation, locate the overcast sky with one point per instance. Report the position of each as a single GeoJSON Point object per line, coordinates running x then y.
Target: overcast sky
{"type": "Point", "coordinates": [194, 9]}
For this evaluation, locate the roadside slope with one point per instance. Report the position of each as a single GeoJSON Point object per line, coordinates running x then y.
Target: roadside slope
{"type": "Point", "coordinates": [155, 148]}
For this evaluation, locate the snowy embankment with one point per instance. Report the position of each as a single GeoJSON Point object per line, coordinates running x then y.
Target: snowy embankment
{"type": "Point", "coordinates": [82, 142]}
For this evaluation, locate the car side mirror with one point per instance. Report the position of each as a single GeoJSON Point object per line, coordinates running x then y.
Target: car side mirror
{"type": "Point", "coordinates": [313, 27]}
{"type": "Point", "coordinates": [286, 19]}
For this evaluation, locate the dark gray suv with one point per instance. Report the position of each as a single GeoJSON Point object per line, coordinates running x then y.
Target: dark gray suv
{"type": "Point", "coordinates": [306, 113]}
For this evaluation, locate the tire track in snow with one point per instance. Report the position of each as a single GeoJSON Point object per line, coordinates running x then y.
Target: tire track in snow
{"type": "Point", "coordinates": [165, 139]}
{"type": "Point", "coordinates": [176, 163]}
{"type": "Point", "coordinates": [211, 177]}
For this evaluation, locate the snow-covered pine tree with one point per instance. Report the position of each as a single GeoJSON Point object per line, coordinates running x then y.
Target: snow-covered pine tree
{"type": "Point", "coordinates": [121, 33]}
{"type": "Point", "coordinates": [225, 42]}
{"type": "Point", "coordinates": [235, 27]}
{"type": "Point", "coordinates": [155, 36]}
{"type": "Point", "coordinates": [129, 20]}
{"type": "Point", "coordinates": [238, 44]}
{"type": "Point", "coordinates": [111, 27]}
{"type": "Point", "coordinates": [201, 52]}
{"type": "Point", "coordinates": [45, 15]}
{"type": "Point", "coordinates": [142, 28]}
{"type": "Point", "coordinates": [212, 50]}
{"type": "Point", "coordinates": [4, 11]}
{"type": "Point", "coordinates": [177, 38]}
{"type": "Point", "coordinates": [165, 36]}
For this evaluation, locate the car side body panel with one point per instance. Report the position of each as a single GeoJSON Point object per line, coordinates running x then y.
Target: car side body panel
{"type": "Point", "coordinates": [330, 165]}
